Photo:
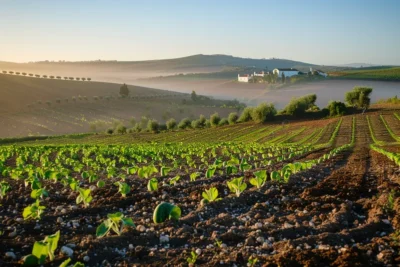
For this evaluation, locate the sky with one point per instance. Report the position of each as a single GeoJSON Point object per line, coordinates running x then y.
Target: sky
{"type": "Point", "coordinates": [325, 32]}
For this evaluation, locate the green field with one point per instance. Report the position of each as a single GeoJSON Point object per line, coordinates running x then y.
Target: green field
{"type": "Point", "coordinates": [370, 73]}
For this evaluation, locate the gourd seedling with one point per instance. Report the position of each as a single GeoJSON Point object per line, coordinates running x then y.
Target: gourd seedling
{"type": "Point", "coordinates": [84, 196]}
{"type": "Point", "coordinates": [116, 222]}
{"type": "Point", "coordinates": [237, 186]}
{"type": "Point", "coordinates": [152, 185]}
{"type": "Point", "coordinates": [166, 211]}
{"type": "Point", "coordinates": [4, 188]}
{"type": "Point", "coordinates": [123, 188]}
{"type": "Point", "coordinates": [42, 249]}
{"type": "Point", "coordinates": [33, 211]}
{"type": "Point", "coordinates": [260, 179]}
{"type": "Point", "coordinates": [209, 195]}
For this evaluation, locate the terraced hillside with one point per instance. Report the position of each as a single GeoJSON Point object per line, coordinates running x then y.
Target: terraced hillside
{"type": "Point", "coordinates": [316, 193]}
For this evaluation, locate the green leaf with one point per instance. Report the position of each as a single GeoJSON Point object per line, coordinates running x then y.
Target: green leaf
{"type": "Point", "coordinates": [65, 263]}
{"type": "Point", "coordinates": [40, 251]}
{"type": "Point", "coordinates": [102, 230]}
{"type": "Point", "coordinates": [210, 172]}
{"type": "Point", "coordinates": [128, 222]}
{"type": "Point", "coordinates": [101, 184]}
{"type": "Point", "coordinates": [30, 260]}
{"type": "Point", "coordinates": [166, 211]}
{"type": "Point", "coordinates": [52, 243]}
{"type": "Point", "coordinates": [152, 185]}
{"type": "Point", "coordinates": [164, 171]}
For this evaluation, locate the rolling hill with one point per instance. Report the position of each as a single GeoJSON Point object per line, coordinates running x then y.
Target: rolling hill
{"type": "Point", "coordinates": [37, 106]}
{"type": "Point", "coordinates": [128, 71]}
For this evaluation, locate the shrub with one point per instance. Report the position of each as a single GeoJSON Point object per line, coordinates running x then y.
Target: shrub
{"type": "Point", "coordinates": [223, 121]}
{"type": "Point", "coordinates": [263, 112]}
{"type": "Point", "coordinates": [207, 124]}
{"type": "Point", "coordinates": [152, 126]}
{"type": "Point", "coordinates": [184, 123]}
{"type": "Point", "coordinates": [202, 120]}
{"type": "Point", "coordinates": [214, 119]}
{"type": "Point", "coordinates": [359, 97]}
{"type": "Point", "coordinates": [298, 106]}
{"type": "Point", "coordinates": [246, 114]}
{"type": "Point", "coordinates": [233, 117]}
{"type": "Point", "coordinates": [171, 124]}
{"type": "Point", "coordinates": [48, 103]}
{"type": "Point", "coordinates": [137, 128]}
{"type": "Point", "coordinates": [121, 129]}
{"type": "Point", "coordinates": [58, 101]}
{"type": "Point", "coordinates": [336, 108]}
{"type": "Point", "coordinates": [132, 121]}
{"type": "Point", "coordinates": [196, 124]}
{"type": "Point", "coordinates": [110, 131]}
{"type": "Point", "coordinates": [95, 98]}
{"type": "Point", "coordinates": [124, 91]}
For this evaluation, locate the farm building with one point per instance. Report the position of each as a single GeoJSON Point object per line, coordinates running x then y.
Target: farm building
{"type": "Point", "coordinates": [320, 72]}
{"type": "Point", "coordinates": [286, 72]}
{"type": "Point", "coordinates": [244, 78]}
{"type": "Point", "coordinates": [260, 74]}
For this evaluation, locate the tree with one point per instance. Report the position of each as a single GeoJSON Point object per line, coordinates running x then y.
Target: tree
{"type": "Point", "coordinates": [359, 97]}
{"type": "Point", "coordinates": [171, 124]}
{"type": "Point", "coordinates": [298, 106]}
{"type": "Point", "coordinates": [124, 91]}
{"type": "Point", "coordinates": [233, 117]}
{"type": "Point", "coordinates": [283, 78]}
{"type": "Point", "coordinates": [336, 108]}
{"type": "Point", "coordinates": [214, 119]}
{"type": "Point", "coordinates": [263, 112]}
{"type": "Point", "coordinates": [152, 126]}
{"type": "Point", "coordinates": [246, 114]}
{"type": "Point", "coordinates": [194, 96]}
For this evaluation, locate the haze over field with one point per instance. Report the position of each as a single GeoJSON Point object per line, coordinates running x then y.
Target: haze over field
{"type": "Point", "coordinates": [180, 46]}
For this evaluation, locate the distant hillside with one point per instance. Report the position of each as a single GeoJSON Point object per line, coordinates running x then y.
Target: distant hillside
{"type": "Point", "coordinates": [128, 71]}
{"type": "Point", "coordinates": [37, 106]}
{"type": "Point", "coordinates": [381, 73]}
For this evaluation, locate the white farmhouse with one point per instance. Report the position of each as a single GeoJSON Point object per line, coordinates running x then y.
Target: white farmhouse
{"type": "Point", "coordinates": [320, 72]}
{"type": "Point", "coordinates": [260, 74]}
{"type": "Point", "coordinates": [244, 78]}
{"type": "Point", "coordinates": [286, 72]}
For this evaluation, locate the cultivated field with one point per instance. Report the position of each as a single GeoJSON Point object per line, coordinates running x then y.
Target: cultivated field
{"type": "Point", "coordinates": [370, 73]}
{"type": "Point", "coordinates": [313, 193]}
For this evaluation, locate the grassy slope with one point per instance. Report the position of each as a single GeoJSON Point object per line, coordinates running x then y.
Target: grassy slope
{"type": "Point", "coordinates": [17, 119]}
{"type": "Point", "coordinates": [370, 73]}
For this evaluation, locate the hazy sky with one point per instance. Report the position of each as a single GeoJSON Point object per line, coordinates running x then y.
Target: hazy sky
{"type": "Point", "coordinates": [315, 31]}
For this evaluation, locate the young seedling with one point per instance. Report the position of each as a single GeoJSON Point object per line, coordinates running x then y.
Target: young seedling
{"type": "Point", "coordinates": [251, 262]}
{"type": "Point", "coordinates": [210, 171]}
{"type": "Point", "coordinates": [194, 176]}
{"type": "Point", "coordinates": [260, 179]}
{"type": "Point", "coordinates": [166, 211]}
{"type": "Point", "coordinates": [33, 211]}
{"type": "Point", "coordinates": [218, 243]}
{"type": "Point", "coordinates": [39, 193]}
{"type": "Point", "coordinates": [4, 188]}
{"type": "Point", "coordinates": [174, 180]}
{"type": "Point", "coordinates": [237, 186]}
{"type": "Point", "coordinates": [192, 258]}
{"type": "Point", "coordinates": [84, 196]}
{"type": "Point", "coordinates": [164, 171]}
{"type": "Point", "coordinates": [42, 249]}
{"type": "Point", "coordinates": [209, 195]}
{"type": "Point", "coordinates": [116, 222]}
{"type": "Point", "coordinates": [67, 261]}
{"type": "Point", "coordinates": [123, 188]}
{"type": "Point", "coordinates": [152, 185]}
